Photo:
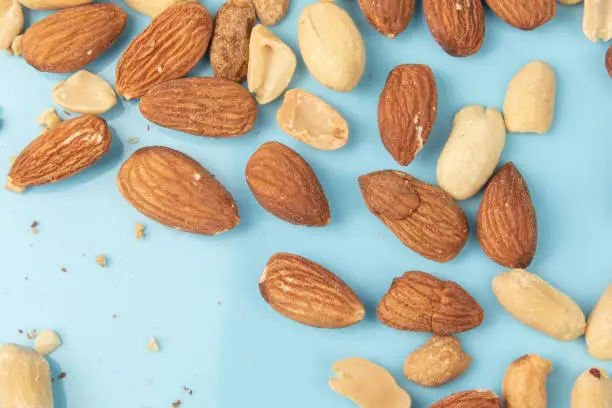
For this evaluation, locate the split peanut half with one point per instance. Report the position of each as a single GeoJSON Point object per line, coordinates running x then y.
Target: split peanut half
{"type": "Point", "coordinates": [597, 22]}
{"type": "Point", "coordinates": [84, 92]}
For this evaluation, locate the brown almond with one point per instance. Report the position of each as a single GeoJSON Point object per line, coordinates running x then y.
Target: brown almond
{"type": "Point", "coordinates": [175, 190]}
{"type": "Point", "coordinates": [458, 26]}
{"type": "Point", "coordinates": [470, 399]}
{"type": "Point", "coordinates": [286, 186]}
{"type": "Point", "coordinates": [524, 14]}
{"type": "Point", "coordinates": [609, 61]}
{"type": "Point", "coordinates": [506, 223]}
{"type": "Point", "coordinates": [214, 107]}
{"type": "Point", "coordinates": [388, 17]}
{"type": "Point", "coordinates": [407, 111]}
{"type": "Point", "coordinates": [59, 43]}
{"type": "Point", "coordinates": [418, 301]}
{"type": "Point", "coordinates": [229, 49]}
{"type": "Point", "coordinates": [62, 152]}
{"type": "Point", "coordinates": [424, 217]}
{"type": "Point", "coordinates": [308, 293]}
{"type": "Point", "coordinates": [167, 49]}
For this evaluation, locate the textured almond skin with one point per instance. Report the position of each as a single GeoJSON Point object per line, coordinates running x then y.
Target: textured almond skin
{"type": "Point", "coordinates": [434, 226]}
{"type": "Point", "coordinates": [214, 107]}
{"type": "Point", "coordinates": [229, 49]}
{"type": "Point", "coordinates": [167, 49]}
{"type": "Point", "coordinates": [58, 43]}
{"type": "Point", "coordinates": [470, 399]}
{"type": "Point", "coordinates": [506, 223]}
{"type": "Point", "coordinates": [308, 293]}
{"type": "Point", "coordinates": [437, 362]}
{"type": "Point", "coordinates": [175, 190]}
{"type": "Point", "coordinates": [609, 61]}
{"type": "Point", "coordinates": [458, 26]}
{"type": "Point", "coordinates": [524, 14]}
{"type": "Point", "coordinates": [286, 186]}
{"type": "Point", "coordinates": [388, 17]}
{"type": "Point", "coordinates": [25, 378]}
{"type": "Point", "coordinates": [525, 382]}
{"type": "Point", "coordinates": [62, 152]}
{"type": "Point", "coordinates": [418, 301]}
{"type": "Point", "coordinates": [599, 328]}
{"type": "Point", "coordinates": [407, 110]}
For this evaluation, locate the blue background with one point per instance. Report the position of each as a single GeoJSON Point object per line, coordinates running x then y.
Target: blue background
{"type": "Point", "coordinates": [199, 295]}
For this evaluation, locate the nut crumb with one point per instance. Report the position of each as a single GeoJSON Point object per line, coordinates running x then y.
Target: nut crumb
{"type": "Point", "coordinates": [115, 316]}
{"type": "Point", "coordinates": [33, 228]}
{"type": "Point", "coordinates": [148, 127]}
{"type": "Point", "coordinates": [101, 260]}
{"type": "Point", "coordinates": [176, 404]}
{"type": "Point", "coordinates": [153, 345]}
{"type": "Point", "coordinates": [140, 231]}
{"type": "Point", "coordinates": [61, 375]}
{"type": "Point", "coordinates": [48, 119]}
{"type": "Point", "coordinates": [64, 270]}
{"type": "Point", "coordinates": [188, 390]}
{"type": "Point", "coordinates": [133, 140]}
{"type": "Point", "coordinates": [47, 342]}
{"type": "Point", "coordinates": [32, 334]}
{"type": "Point", "coordinates": [20, 331]}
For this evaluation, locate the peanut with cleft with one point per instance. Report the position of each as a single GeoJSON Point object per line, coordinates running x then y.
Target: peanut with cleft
{"type": "Point", "coordinates": [524, 384]}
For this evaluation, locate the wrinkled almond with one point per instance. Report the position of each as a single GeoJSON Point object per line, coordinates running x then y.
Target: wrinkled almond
{"type": "Point", "coordinates": [524, 14]}
{"type": "Point", "coordinates": [593, 389]}
{"type": "Point", "coordinates": [25, 378]}
{"type": "Point", "coordinates": [388, 17]}
{"type": "Point", "coordinates": [84, 92]}
{"type": "Point", "coordinates": [11, 22]}
{"type": "Point", "coordinates": [270, 12]}
{"type": "Point", "coordinates": [470, 399]}
{"type": "Point", "coordinates": [525, 382]}
{"type": "Point", "coordinates": [52, 4]}
{"type": "Point", "coordinates": [599, 328]}
{"type": "Point", "coordinates": [153, 8]}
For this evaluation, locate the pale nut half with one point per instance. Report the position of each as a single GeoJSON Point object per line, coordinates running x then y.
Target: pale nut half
{"type": "Point", "coordinates": [52, 4]}
{"type": "Point", "coordinates": [153, 8]}
{"type": "Point", "coordinates": [270, 12]}
{"type": "Point", "coordinates": [367, 384]}
{"type": "Point", "coordinates": [11, 22]}
{"type": "Point", "coordinates": [524, 384]}
{"type": "Point", "coordinates": [593, 389]}
{"type": "Point", "coordinates": [271, 65]}
{"type": "Point", "coordinates": [47, 342]}
{"type": "Point", "coordinates": [439, 361]}
{"type": "Point", "coordinates": [16, 46]}
{"type": "Point", "coordinates": [311, 120]}
{"type": "Point", "coordinates": [25, 378]}
{"type": "Point", "coordinates": [599, 328]}
{"type": "Point", "coordinates": [86, 93]}
{"type": "Point", "coordinates": [537, 304]}
{"type": "Point", "coordinates": [597, 21]}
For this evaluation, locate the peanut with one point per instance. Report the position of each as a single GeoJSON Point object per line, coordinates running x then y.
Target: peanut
{"type": "Point", "coordinates": [25, 379]}
{"type": "Point", "coordinates": [525, 382]}
{"type": "Point", "coordinates": [599, 328]}
{"type": "Point", "coordinates": [593, 389]}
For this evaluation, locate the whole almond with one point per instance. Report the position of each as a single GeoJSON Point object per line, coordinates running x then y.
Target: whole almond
{"type": "Point", "coordinates": [11, 22]}
{"type": "Point", "coordinates": [270, 12]}
{"type": "Point", "coordinates": [229, 49]}
{"type": "Point", "coordinates": [25, 378]}
{"type": "Point", "coordinates": [175, 190]}
{"type": "Point", "coordinates": [424, 217]}
{"type": "Point", "coordinates": [52, 4]}
{"type": "Point", "coordinates": [61, 152]}
{"type": "Point", "coordinates": [506, 224]}
{"type": "Point", "coordinates": [214, 107]}
{"type": "Point", "coordinates": [286, 186]}
{"type": "Point", "coordinates": [470, 399]}
{"type": "Point", "coordinates": [418, 301]}
{"type": "Point", "coordinates": [524, 14]}
{"type": "Point", "coordinates": [537, 304]}
{"type": "Point", "coordinates": [308, 293]}
{"type": "Point", "coordinates": [525, 382]}
{"type": "Point", "coordinates": [593, 389]}
{"type": "Point", "coordinates": [407, 110]}
{"type": "Point", "coordinates": [167, 49]}
{"type": "Point", "coordinates": [152, 8]}
{"type": "Point", "coordinates": [58, 43]}
{"type": "Point", "coordinates": [458, 26]}
{"type": "Point", "coordinates": [437, 362]}
{"type": "Point", "coordinates": [599, 328]}
{"type": "Point", "coordinates": [388, 17]}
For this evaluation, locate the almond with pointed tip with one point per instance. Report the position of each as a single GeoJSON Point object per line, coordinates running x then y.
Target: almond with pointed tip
{"type": "Point", "coordinates": [470, 399]}
{"type": "Point", "coordinates": [524, 14]}
{"type": "Point", "coordinates": [286, 186]}
{"type": "Point", "coordinates": [175, 190]}
{"type": "Point", "coordinates": [388, 17]}
{"type": "Point", "coordinates": [308, 293]}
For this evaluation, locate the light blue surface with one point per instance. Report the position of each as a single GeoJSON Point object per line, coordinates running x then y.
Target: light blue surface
{"type": "Point", "coordinates": [199, 295]}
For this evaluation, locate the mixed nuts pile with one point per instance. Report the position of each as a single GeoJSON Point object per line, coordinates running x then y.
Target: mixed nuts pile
{"type": "Point", "coordinates": [173, 189]}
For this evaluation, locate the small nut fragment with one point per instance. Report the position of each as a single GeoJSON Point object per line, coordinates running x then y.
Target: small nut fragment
{"type": "Point", "coordinates": [538, 305]}
{"type": "Point", "coordinates": [101, 260]}
{"type": "Point", "coordinates": [597, 22]}
{"type": "Point", "coordinates": [599, 328]}
{"type": "Point", "coordinates": [529, 106]}
{"type": "Point", "coordinates": [310, 120]}
{"type": "Point", "coordinates": [525, 382]}
{"type": "Point", "coordinates": [140, 231]}
{"type": "Point", "coordinates": [25, 378]}
{"type": "Point", "coordinates": [16, 46]}
{"type": "Point", "coordinates": [48, 119]}
{"type": "Point", "coordinates": [593, 389]}
{"type": "Point", "coordinates": [437, 362]}
{"type": "Point", "coordinates": [367, 384]}
{"type": "Point", "coordinates": [270, 12]}
{"type": "Point", "coordinates": [84, 92]}
{"type": "Point", "coordinates": [271, 65]}
{"type": "Point", "coordinates": [47, 342]}
{"type": "Point", "coordinates": [153, 345]}
{"type": "Point", "coordinates": [153, 8]}
{"type": "Point", "coordinates": [11, 22]}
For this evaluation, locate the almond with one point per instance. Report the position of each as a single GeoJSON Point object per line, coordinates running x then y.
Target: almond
{"type": "Point", "coordinates": [25, 378]}
{"type": "Point", "coordinates": [167, 49]}
{"type": "Point", "coordinates": [229, 49]}
{"type": "Point", "coordinates": [58, 43]}
{"type": "Point", "coordinates": [61, 152]}
{"type": "Point", "coordinates": [270, 12]}
{"type": "Point", "coordinates": [524, 14]}
{"type": "Point", "coordinates": [424, 217]}
{"type": "Point", "coordinates": [388, 17]}
{"type": "Point", "coordinates": [418, 301]}
{"type": "Point", "coordinates": [407, 111]}
{"type": "Point", "coordinates": [52, 4]}
{"type": "Point", "coordinates": [609, 61]}
{"type": "Point", "coordinates": [458, 26]}
{"type": "Point", "coordinates": [214, 107]}
{"type": "Point", "coordinates": [525, 382]}
{"type": "Point", "coordinates": [286, 186]}
{"type": "Point", "coordinates": [11, 23]}
{"type": "Point", "coordinates": [307, 293]}
{"type": "Point", "coordinates": [506, 223]}
{"type": "Point", "coordinates": [175, 190]}
{"type": "Point", "coordinates": [593, 389]}
{"type": "Point", "coordinates": [437, 362]}
{"type": "Point", "coordinates": [599, 327]}
{"type": "Point", "coordinates": [470, 399]}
